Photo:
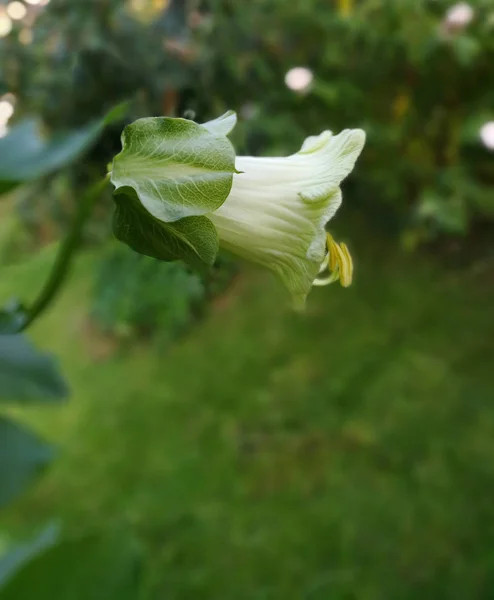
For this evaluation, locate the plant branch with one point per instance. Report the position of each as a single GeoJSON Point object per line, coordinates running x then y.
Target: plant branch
{"type": "Point", "coordinates": [65, 255]}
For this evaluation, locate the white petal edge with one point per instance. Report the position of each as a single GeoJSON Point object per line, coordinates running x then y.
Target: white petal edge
{"type": "Point", "coordinates": [339, 152]}
{"type": "Point", "coordinates": [222, 125]}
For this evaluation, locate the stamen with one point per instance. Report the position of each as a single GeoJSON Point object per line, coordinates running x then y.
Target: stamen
{"type": "Point", "coordinates": [327, 280]}
{"type": "Point", "coordinates": [338, 261]}
{"type": "Point", "coordinates": [332, 251]}
{"type": "Point", "coordinates": [346, 266]}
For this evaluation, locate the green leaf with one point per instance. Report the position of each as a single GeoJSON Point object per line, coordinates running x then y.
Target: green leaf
{"type": "Point", "coordinates": [25, 155]}
{"type": "Point", "coordinates": [18, 556]}
{"type": "Point", "coordinates": [176, 167]}
{"type": "Point", "coordinates": [91, 568]}
{"type": "Point", "coordinates": [193, 239]}
{"type": "Point", "coordinates": [27, 375]}
{"type": "Point", "coordinates": [22, 456]}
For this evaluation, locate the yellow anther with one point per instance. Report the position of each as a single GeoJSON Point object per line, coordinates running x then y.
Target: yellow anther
{"type": "Point", "coordinates": [339, 262]}
{"type": "Point", "coordinates": [332, 252]}
{"type": "Point", "coordinates": [346, 266]}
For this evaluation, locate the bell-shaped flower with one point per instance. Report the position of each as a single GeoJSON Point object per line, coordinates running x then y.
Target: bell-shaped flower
{"type": "Point", "coordinates": [278, 208]}
{"type": "Point", "coordinates": [181, 193]}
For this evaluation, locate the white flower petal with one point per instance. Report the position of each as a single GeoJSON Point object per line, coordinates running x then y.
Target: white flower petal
{"type": "Point", "coordinates": [277, 209]}
{"type": "Point", "coordinates": [222, 125]}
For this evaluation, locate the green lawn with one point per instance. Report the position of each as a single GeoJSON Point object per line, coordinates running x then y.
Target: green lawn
{"type": "Point", "coordinates": [347, 453]}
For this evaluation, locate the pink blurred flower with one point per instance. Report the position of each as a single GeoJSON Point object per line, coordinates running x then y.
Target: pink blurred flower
{"type": "Point", "coordinates": [299, 79]}
{"type": "Point", "coordinates": [459, 16]}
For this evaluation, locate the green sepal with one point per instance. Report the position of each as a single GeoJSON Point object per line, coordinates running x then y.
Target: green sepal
{"type": "Point", "coordinates": [192, 239]}
{"type": "Point", "coordinates": [177, 168]}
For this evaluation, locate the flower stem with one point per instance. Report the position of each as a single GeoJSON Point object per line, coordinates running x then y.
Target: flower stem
{"type": "Point", "coordinates": [65, 255]}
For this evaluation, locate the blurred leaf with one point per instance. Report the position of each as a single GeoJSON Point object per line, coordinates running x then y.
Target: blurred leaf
{"type": "Point", "coordinates": [27, 375]}
{"type": "Point", "coordinates": [117, 113]}
{"type": "Point", "coordinates": [142, 297]}
{"type": "Point", "coordinates": [176, 167]}
{"type": "Point", "coordinates": [25, 155]}
{"type": "Point", "coordinates": [11, 562]}
{"type": "Point", "coordinates": [22, 456]}
{"type": "Point", "coordinates": [91, 568]}
{"type": "Point", "coordinates": [192, 239]}
{"type": "Point", "coordinates": [467, 49]}
{"type": "Point", "coordinates": [480, 197]}
{"type": "Point", "coordinates": [446, 213]}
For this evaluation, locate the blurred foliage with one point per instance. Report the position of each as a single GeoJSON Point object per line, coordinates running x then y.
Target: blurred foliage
{"type": "Point", "coordinates": [47, 566]}
{"type": "Point", "coordinates": [26, 375]}
{"type": "Point", "coordinates": [288, 468]}
{"type": "Point", "coordinates": [14, 560]}
{"type": "Point", "coordinates": [345, 454]}
{"type": "Point", "coordinates": [89, 567]}
{"type": "Point", "coordinates": [22, 457]}
{"type": "Point", "coordinates": [420, 87]}
{"type": "Point", "coordinates": [135, 295]}
{"type": "Point", "coordinates": [85, 56]}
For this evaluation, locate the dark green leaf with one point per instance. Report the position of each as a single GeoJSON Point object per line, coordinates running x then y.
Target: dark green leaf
{"type": "Point", "coordinates": [86, 569]}
{"type": "Point", "coordinates": [177, 168]}
{"type": "Point", "coordinates": [22, 456]}
{"type": "Point", "coordinates": [18, 556]}
{"type": "Point", "coordinates": [26, 375]}
{"type": "Point", "coordinates": [193, 239]}
{"type": "Point", "coordinates": [25, 155]}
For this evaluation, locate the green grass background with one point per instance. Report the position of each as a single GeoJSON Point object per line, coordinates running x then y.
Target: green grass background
{"type": "Point", "coordinates": [347, 453]}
